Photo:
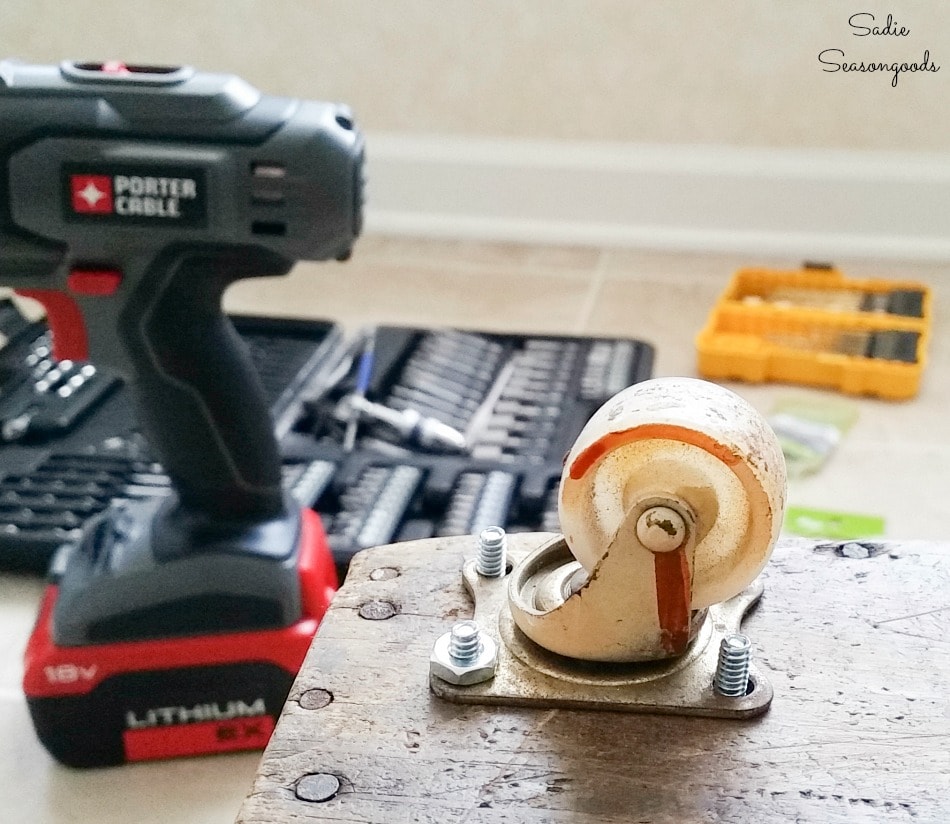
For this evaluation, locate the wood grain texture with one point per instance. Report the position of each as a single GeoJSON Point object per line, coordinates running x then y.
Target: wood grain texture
{"type": "Point", "coordinates": [859, 730]}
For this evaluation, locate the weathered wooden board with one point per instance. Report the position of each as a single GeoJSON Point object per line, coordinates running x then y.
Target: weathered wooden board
{"type": "Point", "coordinates": [859, 730]}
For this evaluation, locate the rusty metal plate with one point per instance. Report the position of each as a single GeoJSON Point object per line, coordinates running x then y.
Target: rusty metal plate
{"type": "Point", "coordinates": [528, 675]}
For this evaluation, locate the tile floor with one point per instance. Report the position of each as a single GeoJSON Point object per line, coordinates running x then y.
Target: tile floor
{"type": "Point", "coordinates": [893, 463]}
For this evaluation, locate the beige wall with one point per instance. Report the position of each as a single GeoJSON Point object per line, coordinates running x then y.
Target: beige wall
{"type": "Point", "coordinates": [739, 72]}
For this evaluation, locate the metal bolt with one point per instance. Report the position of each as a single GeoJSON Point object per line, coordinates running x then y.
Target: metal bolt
{"type": "Point", "coordinates": [492, 552]}
{"type": "Point", "coordinates": [732, 674]}
{"type": "Point", "coordinates": [465, 642]}
{"type": "Point", "coordinates": [661, 529]}
{"type": "Point", "coordinates": [464, 656]}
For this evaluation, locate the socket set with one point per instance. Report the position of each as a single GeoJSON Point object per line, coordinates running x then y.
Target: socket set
{"type": "Point", "coordinates": [501, 411]}
{"type": "Point", "coordinates": [450, 431]}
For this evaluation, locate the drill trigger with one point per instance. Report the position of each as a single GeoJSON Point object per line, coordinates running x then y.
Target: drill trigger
{"type": "Point", "coordinates": [70, 341]}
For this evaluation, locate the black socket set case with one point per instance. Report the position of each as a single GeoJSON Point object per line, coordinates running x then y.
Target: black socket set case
{"type": "Point", "coordinates": [69, 444]}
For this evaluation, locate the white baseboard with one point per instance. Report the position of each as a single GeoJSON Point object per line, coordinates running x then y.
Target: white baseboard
{"type": "Point", "coordinates": [806, 203]}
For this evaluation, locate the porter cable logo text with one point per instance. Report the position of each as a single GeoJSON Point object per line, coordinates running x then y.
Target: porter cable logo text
{"type": "Point", "coordinates": [135, 196]}
{"type": "Point", "coordinates": [864, 24]}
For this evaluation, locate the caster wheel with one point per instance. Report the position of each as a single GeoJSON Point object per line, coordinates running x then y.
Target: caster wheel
{"type": "Point", "coordinates": [671, 500]}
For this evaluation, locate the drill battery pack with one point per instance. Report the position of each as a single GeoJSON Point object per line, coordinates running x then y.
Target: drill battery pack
{"type": "Point", "coordinates": [113, 703]}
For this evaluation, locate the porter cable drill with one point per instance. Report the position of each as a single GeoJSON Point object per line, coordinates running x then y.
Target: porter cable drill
{"type": "Point", "coordinates": [131, 197]}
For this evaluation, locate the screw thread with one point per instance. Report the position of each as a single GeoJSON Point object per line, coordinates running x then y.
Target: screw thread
{"type": "Point", "coordinates": [732, 674]}
{"type": "Point", "coordinates": [465, 642]}
{"type": "Point", "coordinates": [492, 552]}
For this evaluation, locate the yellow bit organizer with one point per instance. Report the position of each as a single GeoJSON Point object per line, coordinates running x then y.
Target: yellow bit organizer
{"type": "Point", "coordinates": [816, 327]}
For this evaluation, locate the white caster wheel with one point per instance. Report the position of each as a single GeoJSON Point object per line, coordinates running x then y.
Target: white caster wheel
{"type": "Point", "coordinates": [671, 500]}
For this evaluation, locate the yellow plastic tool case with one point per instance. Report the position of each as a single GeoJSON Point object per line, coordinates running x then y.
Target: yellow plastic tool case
{"type": "Point", "coordinates": [816, 327]}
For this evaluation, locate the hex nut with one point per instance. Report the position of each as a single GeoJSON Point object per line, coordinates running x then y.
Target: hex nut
{"type": "Point", "coordinates": [442, 665]}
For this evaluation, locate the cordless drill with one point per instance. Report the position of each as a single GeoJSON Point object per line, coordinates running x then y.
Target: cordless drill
{"type": "Point", "coordinates": [132, 196]}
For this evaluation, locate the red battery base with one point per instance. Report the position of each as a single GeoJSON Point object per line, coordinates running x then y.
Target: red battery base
{"type": "Point", "coordinates": [114, 703]}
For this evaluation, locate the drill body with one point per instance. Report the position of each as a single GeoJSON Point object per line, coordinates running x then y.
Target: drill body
{"type": "Point", "coordinates": [130, 198]}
